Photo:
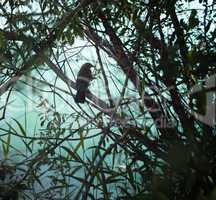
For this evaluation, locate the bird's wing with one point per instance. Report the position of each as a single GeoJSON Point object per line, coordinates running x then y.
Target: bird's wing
{"type": "Point", "coordinates": [82, 83]}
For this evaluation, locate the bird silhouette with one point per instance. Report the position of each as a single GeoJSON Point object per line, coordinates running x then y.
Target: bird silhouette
{"type": "Point", "coordinates": [82, 83]}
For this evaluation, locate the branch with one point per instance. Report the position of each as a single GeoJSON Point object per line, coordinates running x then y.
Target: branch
{"type": "Point", "coordinates": [122, 59]}
{"type": "Point", "coordinates": [180, 36]}
{"type": "Point", "coordinates": [41, 47]}
{"type": "Point", "coordinates": [105, 78]}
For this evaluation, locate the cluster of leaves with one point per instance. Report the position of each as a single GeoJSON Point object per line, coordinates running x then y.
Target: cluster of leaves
{"type": "Point", "coordinates": [153, 151]}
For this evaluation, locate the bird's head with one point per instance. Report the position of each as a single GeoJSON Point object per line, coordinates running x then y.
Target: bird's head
{"type": "Point", "coordinates": [85, 72]}
{"type": "Point", "coordinates": [87, 66]}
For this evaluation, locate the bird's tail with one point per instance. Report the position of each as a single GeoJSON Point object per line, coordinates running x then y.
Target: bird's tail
{"type": "Point", "coordinates": [80, 97]}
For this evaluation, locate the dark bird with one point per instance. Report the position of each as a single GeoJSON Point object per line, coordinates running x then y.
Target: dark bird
{"type": "Point", "coordinates": [83, 79]}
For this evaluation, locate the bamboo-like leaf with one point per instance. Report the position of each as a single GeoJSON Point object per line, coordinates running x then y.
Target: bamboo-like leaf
{"type": "Point", "coordinates": [27, 145]}
{"type": "Point", "coordinates": [6, 146]}
{"type": "Point", "coordinates": [37, 179]}
{"type": "Point", "coordinates": [20, 127]}
{"type": "Point", "coordinates": [81, 143]}
{"type": "Point", "coordinates": [74, 155]}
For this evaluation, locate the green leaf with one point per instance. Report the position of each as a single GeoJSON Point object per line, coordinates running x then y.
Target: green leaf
{"type": "Point", "coordinates": [6, 146]}
{"type": "Point", "coordinates": [20, 127]}
{"type": "Point", "coordinates": [27, 145]}
{"type": "Point", "coordinates": [36, 178]}
{"type": "Point", "coordinates": [193, 20]}
{"type": "Point", "coordinates": [74, 155]}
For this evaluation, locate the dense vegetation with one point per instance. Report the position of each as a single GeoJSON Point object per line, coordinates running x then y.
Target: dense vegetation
{"type": "Point", "coordinates": [147, 130]}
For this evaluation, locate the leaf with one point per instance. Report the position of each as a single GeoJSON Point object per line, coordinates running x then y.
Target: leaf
{"type": "Point", "coordinates": [36, 178]}
{"type": "Point", "coordinates": [74, 155]}
{"type": "Point", "coordinates": [81, 143]}
{"type": "Point", "coordinates": [207, 27]}
{"type": "Point", "coordinates": [77, 168]}
{"type": "Point", "coordinates": [20, 127]}
{"type": "Point", "coordinates": [27, 145]}
{"type": "Point", "coordinates": [6, 146]}
{"type": "Point", "coordinates": [10, 127]}
{"type": "Point", "coordinates": [193, 20]}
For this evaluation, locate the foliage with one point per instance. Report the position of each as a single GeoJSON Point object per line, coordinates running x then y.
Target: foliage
{"type": "Point", "coordinates": [137, 135]}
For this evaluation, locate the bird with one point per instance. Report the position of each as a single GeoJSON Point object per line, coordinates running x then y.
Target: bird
{"type": "Point", "coordinates": [84, 77]}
